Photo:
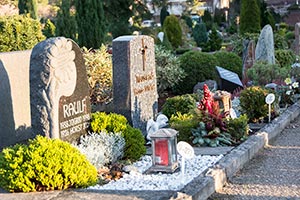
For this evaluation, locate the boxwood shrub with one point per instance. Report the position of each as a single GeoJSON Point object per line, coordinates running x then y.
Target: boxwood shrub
{"type": "Point", "coordinates": [44, 164]}
{"type": "Point", "coordinates": [230, 61]}
{"type": "Point", "coordinates": [198, 66]}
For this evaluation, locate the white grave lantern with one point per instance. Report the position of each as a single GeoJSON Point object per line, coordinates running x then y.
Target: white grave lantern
{"type": "Point", "coordinates": [164, 150]}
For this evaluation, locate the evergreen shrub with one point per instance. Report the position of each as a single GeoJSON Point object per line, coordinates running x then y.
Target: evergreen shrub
{"type": "Point", "coordinates": [19, 32]}
{"type": "Point", "coordinates": [183, 123]}
{"type": "Point", "coordinates": [168, 71]}
{"type": "Point", "coordinates": [252, 102]}
{"type": "Point", "coordinates": [44, 164]}
{"type": "Point", "coordinates": [198, 66]}
{"type": "Point", "coordinates": [262, 73]}
{"type": "Point", "coordinates": [285, 58]}
{"type": "Point", "coordinates": [182, 104]}
{"type": "Point", "coordinates": [238, 128]}
{"type": "Point", "coordinates": [173, 30]}
{"type": "Point", "coordinates": [99, 71]}
{"type": "Point", "coordinates": [230, 61]}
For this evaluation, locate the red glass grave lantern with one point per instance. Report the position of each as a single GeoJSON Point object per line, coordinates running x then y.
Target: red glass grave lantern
{"type": "Point", "coordinates": [164, 150]}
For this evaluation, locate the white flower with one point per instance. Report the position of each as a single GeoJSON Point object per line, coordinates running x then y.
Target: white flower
{"type": "Point", "coordinates": [288, 92]}
{"type": "Point", "coordinates": [288, 81]}
{"type": "Point", "coordinates": [295, 85]}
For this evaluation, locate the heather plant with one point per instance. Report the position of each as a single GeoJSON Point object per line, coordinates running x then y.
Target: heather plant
{"type": "Point", "coordinates": [99, 71]}
{"type": "Point", "coordinates": [19, 32]}
{"type": "Point", "coordinates": [102, 148]}
{"type": "Point", "coordinates": [168, 71]}
{"type": "Point", "coordinates": [44, 164]}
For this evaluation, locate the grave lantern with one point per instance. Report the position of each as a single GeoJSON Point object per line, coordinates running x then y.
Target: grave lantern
{"type": "Point", "coordinates": [164, 150]}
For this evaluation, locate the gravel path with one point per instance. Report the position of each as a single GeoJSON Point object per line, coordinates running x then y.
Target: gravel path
{"type": "Point", "coordinates": [274, 173]}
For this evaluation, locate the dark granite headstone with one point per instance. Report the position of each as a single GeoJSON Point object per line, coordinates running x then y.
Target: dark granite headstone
{"type": "Point", "coordinates": [228, 80]}
{"type": "Point", "coordinates": [60, 105]}
{"type": "Point", "coordinates": [134, 79]}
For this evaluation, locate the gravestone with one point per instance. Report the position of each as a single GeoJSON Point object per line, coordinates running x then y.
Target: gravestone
{"type": "Point", "coordinates": [228, 80]}
{"type": "Point", "coordinates": [248, 60]}
{"type": "Point", "coordinates": [134, 79]}
{"type": "Point", "coordinates": [264, 50]}
{"type": "Point", "coordinates": [59, 95]}
{"type": "Point", "coordinates": [297, 38]}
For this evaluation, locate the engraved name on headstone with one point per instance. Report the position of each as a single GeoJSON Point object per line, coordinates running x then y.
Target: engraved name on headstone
{"type": "Point", "coordinates": [134, 79]}
{"type": "Point", "coordinates": [60, 105]}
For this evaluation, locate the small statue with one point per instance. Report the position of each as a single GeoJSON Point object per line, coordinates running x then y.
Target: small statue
{"type": "Point", "coordinates": [153, 126]}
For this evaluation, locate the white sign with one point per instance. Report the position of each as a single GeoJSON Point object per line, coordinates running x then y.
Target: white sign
{"type": "Point", "coordinates": [185, 150]}
{"type": "Point", "coordinates": [270, 98]}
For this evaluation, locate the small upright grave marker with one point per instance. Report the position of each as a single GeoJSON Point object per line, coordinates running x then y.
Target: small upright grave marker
{"type": "Point", "coordinates": [270, 98]}
{"type": "Point", "coordinates": [60, 105]}
{"type": "Point", "coordinates": [187, 152]}
{"type": "Point", "coordinates": [134, 79]}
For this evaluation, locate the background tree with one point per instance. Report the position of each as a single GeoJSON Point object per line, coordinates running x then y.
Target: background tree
{"type": "Point", "coordinates": [90, 22]}
{"type": "Point", "coordinates": [117, 13]}
{"type": "Point", "coordinates": [173, 30]}
{"type": "Point", "coordinates": [214, 41]}
{"type": "Point", "coordinates": [49, 29]}
{"type": "Point", "coordinates": [200, 34]}
{"type": "Point", "coordinates": [163, 14]}
{"type": "Point", "coordinates": [250, 17]}
{"type": "Point", "coordinates": [265, 15]}
{"type": "Point", "coordinates": [66, 23]}
{"type": "Point", "coordinates": [28, 6]}
{"type": "Point", "coordinates": [207, 19]}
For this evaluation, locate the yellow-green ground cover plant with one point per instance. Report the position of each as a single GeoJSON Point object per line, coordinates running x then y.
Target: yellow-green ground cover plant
{"type": "Point", "coordinates": [44, 164]}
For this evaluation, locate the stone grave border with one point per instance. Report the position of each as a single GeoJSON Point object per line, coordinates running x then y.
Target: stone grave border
{"type": "Point", "coordinates": [202, 187]}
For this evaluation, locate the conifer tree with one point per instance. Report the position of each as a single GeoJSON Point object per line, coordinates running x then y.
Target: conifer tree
{"type": "Point", "coordinates": [200, 34]}
{"type": "Point", "coordinates": [28, 6]}
{"type": "Point", "coordinates": [214, 41]}
{"type": "Point", "coordinates": [173, 30]}
{"type": "Point", "coordinates": [66, 23]}
{"type": "Point", "coordinates": [250, 17]}
{"type": "Point", "coordinates": [49, 29]}
{"type": "Point", "coordinates": [163, 14]}
{"type": "Point", "coordinates": [91, 23]}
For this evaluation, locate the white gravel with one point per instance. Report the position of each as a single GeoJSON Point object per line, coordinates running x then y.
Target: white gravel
{"type": "Point", "coordinates": [136, 180]}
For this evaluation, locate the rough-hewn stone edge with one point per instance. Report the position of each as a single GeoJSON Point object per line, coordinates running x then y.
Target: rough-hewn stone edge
{"type": "Point", "coordinates": [230, 164]}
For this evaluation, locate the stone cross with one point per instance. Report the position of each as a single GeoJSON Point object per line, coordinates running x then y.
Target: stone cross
{"type": "Point", "coordinates": [59, 96]}
{"type": "Point", "coordinates": [134, 79]}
